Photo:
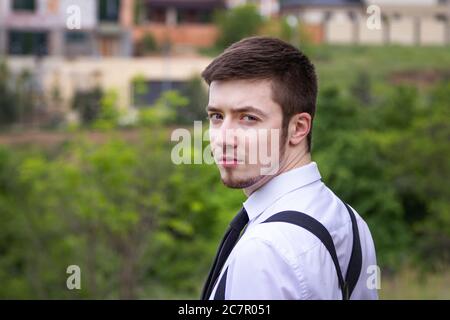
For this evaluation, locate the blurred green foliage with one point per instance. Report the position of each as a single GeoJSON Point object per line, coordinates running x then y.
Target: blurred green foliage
{"type": "Point", "coordinates": [165, 109]}
{"type": "Point", "coordinates": [235, 24]}
{"type": "Point", "coordinates": [390, 161]}
{"type": "Point", "coordinates": [88, 104]}
{"type": "Point", "coordinates": [136, 224]}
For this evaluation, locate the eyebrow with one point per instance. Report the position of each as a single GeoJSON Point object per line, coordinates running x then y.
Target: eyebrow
{"type": "Point", "coordinates": [239, 110]}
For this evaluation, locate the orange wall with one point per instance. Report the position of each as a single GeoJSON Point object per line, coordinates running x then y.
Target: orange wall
{"type": "Point", "coordinates": [315, 32]}
{"type": "Point", "coordinates": [126, 13]}
{"type": "Point", "coordinates": [198, 35]}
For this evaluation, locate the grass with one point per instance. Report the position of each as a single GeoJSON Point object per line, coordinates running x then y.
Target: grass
{"type": "Point", "coordinates": [410, 284]}
{"type": "Point", "coordinates": [340, 64]}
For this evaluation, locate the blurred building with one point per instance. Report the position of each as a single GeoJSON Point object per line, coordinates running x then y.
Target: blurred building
{"type": "Point", "coordinates": [114, 29]}
{"type": "Point", "coordinates": [49, 27]}
{"type": "Point", "coordinates": [315, 16]}
{"type": "Point", "coordinates": [421, 22]}
{"type": "Point", "coordinates": [182, 24]}
{"type": "Point", "coordinates": [267, 8]}
{"type": "Point", "coordinates": [407, 22]}
{"type": "Point", "coordinates": [72, 76]}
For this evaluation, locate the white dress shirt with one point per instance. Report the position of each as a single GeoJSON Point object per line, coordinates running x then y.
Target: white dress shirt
{"type": "Point", "coordinates": [279, 260]}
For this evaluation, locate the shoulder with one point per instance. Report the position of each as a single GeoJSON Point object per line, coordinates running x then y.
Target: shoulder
{"type": "Point", "coordinates": [275, 242]}
{"type": "Point", "coordinates": [300, 271]}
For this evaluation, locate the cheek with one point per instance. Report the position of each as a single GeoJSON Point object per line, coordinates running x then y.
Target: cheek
{"type": "Point", "coordinates": [252, 145]}
{"type": "Point", "coordinates": [264, 144]}
{"type": "Point", "coordinates": [213, 136]}
{"type": "Point", "coordinates": [249, 145]}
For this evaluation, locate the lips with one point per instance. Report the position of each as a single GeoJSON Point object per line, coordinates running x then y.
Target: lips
{"type": "Point", "coordinates": [228, 162]}
{"type": "Point", "coordinates": [224, 159]}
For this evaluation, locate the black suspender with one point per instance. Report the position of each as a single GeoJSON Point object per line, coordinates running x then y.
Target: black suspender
{"type": "Point", "coordinates": [355, 263]}
{"type": "Point", "coordinates": [315, 227]}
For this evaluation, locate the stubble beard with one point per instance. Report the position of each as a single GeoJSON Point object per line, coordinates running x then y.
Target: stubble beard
{"type": "Point", "coordinates": [248, 182]}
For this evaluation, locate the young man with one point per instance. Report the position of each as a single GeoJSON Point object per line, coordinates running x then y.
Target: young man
{"type": "Point", "coordinates": [262, 96]}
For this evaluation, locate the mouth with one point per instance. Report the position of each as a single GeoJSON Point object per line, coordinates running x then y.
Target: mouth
{"type": "Point", "coordinates": [228, 162]}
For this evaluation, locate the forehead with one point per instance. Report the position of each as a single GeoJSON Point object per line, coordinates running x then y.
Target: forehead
{"type": "Point", "coordinates": [238, 93]}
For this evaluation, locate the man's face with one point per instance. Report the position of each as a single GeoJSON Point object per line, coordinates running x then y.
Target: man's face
{"type": "Point", "coordinates": [245, 130]}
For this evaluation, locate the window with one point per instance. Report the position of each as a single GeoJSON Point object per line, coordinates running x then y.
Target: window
{"type": "Point", "coordinates": [28, 43]}
{"type": "Point", "coordinates": [108, 46]}
{"type": "Point", "coordinates": [24, 5]}
{"type": "Point", "coordinates": [187, 16]}
{"type": "Point", "coordinates": [78, 43]}
{"type": "Point", "coordinates": [153, 90]}
{"type": "Point", "coordinates": [156, 15]}
{"type": "Point", "coordinates": [194, 16]}
{"type": "Point", "coordinates": [76, 37]}
{"type": "Point", "coordinates": [205, 16]}
{"type": "Point", "coordinates": [109, 10]}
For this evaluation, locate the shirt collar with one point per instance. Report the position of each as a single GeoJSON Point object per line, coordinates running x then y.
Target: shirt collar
{"type": "Point", "coordinates": [278, 186]}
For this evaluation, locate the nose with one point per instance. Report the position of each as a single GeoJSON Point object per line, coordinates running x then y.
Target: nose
{"type": "Point", "coordinates": [224, 138]}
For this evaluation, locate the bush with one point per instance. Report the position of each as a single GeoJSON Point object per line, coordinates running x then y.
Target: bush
{"type": "Point", "coordinates": [147, 45]}
{"type": "Point", "coordinates": [121, 211]}
{"type": "Point", "coordinates": [88, 104]}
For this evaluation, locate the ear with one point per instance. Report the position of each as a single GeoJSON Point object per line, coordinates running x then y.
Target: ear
{"type": "Point", "coordinates": [299, 127]}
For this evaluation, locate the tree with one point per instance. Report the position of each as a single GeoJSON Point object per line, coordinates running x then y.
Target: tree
{"type": "Point", "coordinates": [237, 23]}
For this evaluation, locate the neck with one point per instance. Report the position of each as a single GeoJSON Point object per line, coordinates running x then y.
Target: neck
{"type": "Point", "coordinates": [288, 163]}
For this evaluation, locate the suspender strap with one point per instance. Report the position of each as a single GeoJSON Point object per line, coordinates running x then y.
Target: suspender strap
{"type": "Point", "coordinates": [315, 227]}
{"type": "Point", "coordinates": [305, 221]}
{"type": "Point", "coordinates": [355, 264]}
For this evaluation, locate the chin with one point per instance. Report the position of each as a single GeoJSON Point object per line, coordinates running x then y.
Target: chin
{"type": "Point", "coordinates": [241, 183]}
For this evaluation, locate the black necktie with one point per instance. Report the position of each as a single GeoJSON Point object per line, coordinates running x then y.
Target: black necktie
{"type": "Point", "coordinates": [229, 240]}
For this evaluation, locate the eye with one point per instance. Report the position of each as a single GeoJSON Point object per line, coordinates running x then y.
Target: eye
{"type": "Point", "coordinates": [215, 116]}
{"type": "Point", "coordinates": [248, 117]}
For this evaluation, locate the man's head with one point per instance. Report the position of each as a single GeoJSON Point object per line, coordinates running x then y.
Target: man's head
{"type": "Point", "coordinates": [259, 84]}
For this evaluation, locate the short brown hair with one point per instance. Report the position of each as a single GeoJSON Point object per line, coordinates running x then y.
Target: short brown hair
{"type": "Point", "coordinates": [294, 80]}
